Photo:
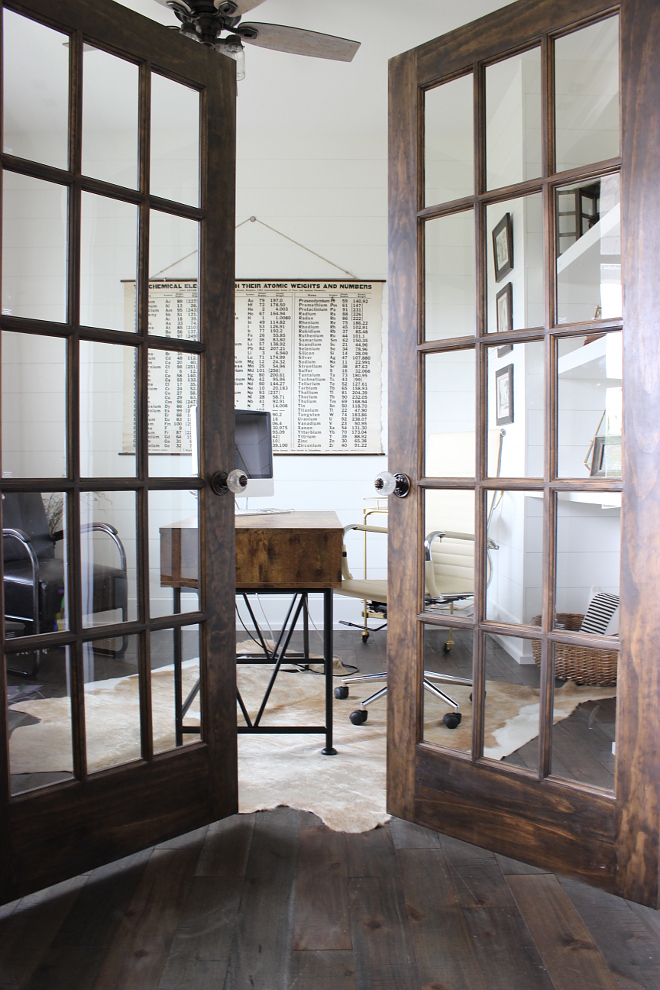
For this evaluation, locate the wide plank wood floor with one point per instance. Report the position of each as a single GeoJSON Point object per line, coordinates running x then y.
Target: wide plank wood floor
{"type": "Point", "coordinates": [277, 901]}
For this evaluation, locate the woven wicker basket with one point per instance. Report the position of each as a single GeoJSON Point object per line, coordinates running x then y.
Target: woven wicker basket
{"type": "Point", "coordinates": [581, 664]}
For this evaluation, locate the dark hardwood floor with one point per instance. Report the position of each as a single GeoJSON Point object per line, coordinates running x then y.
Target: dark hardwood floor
{"type": "Point", "coordinates": [276, 900]}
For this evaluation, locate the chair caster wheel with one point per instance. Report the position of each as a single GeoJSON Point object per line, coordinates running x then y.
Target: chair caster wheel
{"type": "Point", "coordinates": [341, 692]}
{"type": "Point", "coordinates": [359, 717]}
{"type": "Point", "coordinates": [446, 648]}
{"type": "Point", "coordinates": [452, 720]}
{"type": "Point", "coordinates": [365, 637]}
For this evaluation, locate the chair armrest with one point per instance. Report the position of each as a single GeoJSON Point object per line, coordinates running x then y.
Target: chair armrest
{"type": "Point", "coordinates": [22, 537]}
{"type": "Point", "coordinates": [17, 534]}
{"type": "Point", "coordinates": [362, 528]}
{"type": "Point", "coordinates": [365, 529]}
{"type": "Point", "coordinates": [450, 535]}
{"type": "Point", "coordinates": [112, 533]}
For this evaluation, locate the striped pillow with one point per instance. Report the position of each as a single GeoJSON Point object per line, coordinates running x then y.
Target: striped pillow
{"type": "Point", "coordinates": [601, 609]}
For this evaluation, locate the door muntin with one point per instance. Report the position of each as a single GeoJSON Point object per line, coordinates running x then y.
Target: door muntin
{"type": "Point", "coordinates": [104, 453]}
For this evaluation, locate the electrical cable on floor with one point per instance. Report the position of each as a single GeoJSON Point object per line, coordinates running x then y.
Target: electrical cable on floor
{"type": "Point", "coordinates": [349, 668]}
{"type": "Point", "coordinates": [240, 619]}
{"type": "Point", "coordinates": [272, 635]}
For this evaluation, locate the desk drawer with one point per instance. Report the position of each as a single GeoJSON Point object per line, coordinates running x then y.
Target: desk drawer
{"type": "Point", "coordinates": [288, 558]}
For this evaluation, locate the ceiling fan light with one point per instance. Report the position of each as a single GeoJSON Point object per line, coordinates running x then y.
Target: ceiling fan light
{"type": "Point", "coordinates": [188, 31]}
{"type": "Point", "coordinates": [240, 65]}
{"type": "Point", "coordinates": [233, 47]}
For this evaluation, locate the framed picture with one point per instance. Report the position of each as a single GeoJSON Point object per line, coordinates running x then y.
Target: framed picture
{"type": "Point", "coordinates": [504, 395]}
{"type": "Point", "coordinates": [503, 247]}
{"type": "Point", "coordinates": [504, 313]}
{"type": "Point", "coordinates": [606, 457]}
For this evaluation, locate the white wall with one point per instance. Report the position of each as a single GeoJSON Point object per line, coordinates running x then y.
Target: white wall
{"type": "Point", "coordinates": [327, 190]}
{"type": "Point", "coordinates": [332, 198]}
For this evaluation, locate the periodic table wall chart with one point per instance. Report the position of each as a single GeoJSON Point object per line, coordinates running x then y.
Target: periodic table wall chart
{"type": "Point", "coordinates": [307, 351]}
{"type": "Point", "coordinates": [172, 374]}
{"type": "Point", "coordinates": [310, 353]}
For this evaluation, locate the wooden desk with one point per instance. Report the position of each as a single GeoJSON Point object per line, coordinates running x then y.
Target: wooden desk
{"type": "Point", "coordinates": [299, 550]}
{"type": "Point", "coordinates": [293, 552]}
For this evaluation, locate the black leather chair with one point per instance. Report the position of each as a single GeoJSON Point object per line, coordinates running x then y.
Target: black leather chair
{"type": "Point", "coordinates": [34, 576]}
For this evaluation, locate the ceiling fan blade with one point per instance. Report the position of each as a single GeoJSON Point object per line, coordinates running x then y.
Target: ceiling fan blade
{"type": "Point", "coordinates": [164, 3]}
{"type": "Point", "coordinates": [298, 41]}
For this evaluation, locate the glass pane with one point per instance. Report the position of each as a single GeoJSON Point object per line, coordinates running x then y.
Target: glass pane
{"type": "Point", "coordinates": [515, 264]}
{"type": "Point", "coordinates": [109, 569]}
{"type": "Point", "coordinates": [584, 716]}
{"type": "Point", "coordinates": [173, 552]}
{"type": "Point", "coordinates": [450, 411]}
{"type": "Point", "coordinates": [39, 717]}
{"type": "Point", "coordinates": [35, 91]}
{"type": "Point", "coordinates": [587, 95]}
{"type": "Point", "coordinates": [174, 141]}
{"type": "Point", "coordinates": [35, 562]}
{"type": "Point", "coordinates": [515, 411]}
{"type": "Point", "coordinates": [174, 260]}
{"type": "Point", "coordinates": [173, 378]}
{"type": "Point", "coordinates": [513, 120]}
{"type": "Point", "coordinates": [589, 396]}
{"type": "Point", "coordinates": [450, 288]}
{"type": "Point", "coordinates": [588, 562]}
{"type": "Point", "coordinates": [589, 251]}
{"type": "Point", "coordinates": [34, 262]}
{"type": "Point", "coordinates": [107, 410]}
{"type": "Point", "coordinates": [511, 722]}
{"type": "Point", "coordinates": [112, 703]}
{"type": "Point", "coordinates": [110, 118]}
{"type": "Point", "coordinates": [449, 141]}
{"type": "Point", "coordinates": [33, 406]}
{"type": "Point", "coordinates": [175, 677]}
{"type": "Point", "coordinates": [514, 567]}
{"type": "Point", "coordinates": [449, 552]}
{"type": "Point", "coordinates": [172, 308]}
{"type": "Point", "coordinates": [108, 263]}
{"type": "Point", "coordinates": [448, 668]}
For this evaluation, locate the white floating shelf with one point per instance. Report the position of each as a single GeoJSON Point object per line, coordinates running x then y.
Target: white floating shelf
{"type": "Point", "coordinates": [603, 226]}
{"type": "Point", "coordinates": [588, 361]}
{"type": "Point", "coordinates": [606, 500]}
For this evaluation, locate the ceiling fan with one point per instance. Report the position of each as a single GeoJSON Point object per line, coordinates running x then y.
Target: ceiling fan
{"type": "Point", "coordinates": [206, 21]}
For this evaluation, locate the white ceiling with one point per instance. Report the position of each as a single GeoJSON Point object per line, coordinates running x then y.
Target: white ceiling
{"type": "Point", "coordinates": [282, 91]}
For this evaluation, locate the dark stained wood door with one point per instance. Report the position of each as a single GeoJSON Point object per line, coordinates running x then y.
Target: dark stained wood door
{"type": "Point", "coordinates": [117, 324]}
{"type": "Point", "coordinates": [524, 241]}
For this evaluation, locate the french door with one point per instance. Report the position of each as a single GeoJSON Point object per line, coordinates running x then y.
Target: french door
{"type": "Point", "coordinates": [524, 244]}
{"type": "Point", "coordinates": [117, 323]}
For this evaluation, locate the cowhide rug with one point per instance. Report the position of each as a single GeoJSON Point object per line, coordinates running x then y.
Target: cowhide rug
{"type": "Point", "coordinates": [347, 790]}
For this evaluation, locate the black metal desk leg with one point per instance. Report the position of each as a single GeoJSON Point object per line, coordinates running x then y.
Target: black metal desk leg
{"type": "Point", "coordinates": [178, 685]}
{"type": "Point", "coordinates": [327, 660]}
{"type": "Point", "coordinates": [306, 627]}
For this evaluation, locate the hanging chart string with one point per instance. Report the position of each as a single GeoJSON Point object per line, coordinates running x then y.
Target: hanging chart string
{"type": "Point", "coordinates": [298, 244]}
{"type": "Point", "coordinates": [280, 234]}
{"type": "Point", "coordinates": [173, 265]}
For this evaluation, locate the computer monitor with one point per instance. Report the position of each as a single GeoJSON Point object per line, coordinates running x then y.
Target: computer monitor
{"type": "Point", "coordinates": [254, 451]}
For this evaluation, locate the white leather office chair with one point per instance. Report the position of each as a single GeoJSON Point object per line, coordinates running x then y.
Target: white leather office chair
{"type": "Point", "coordinates": [371, 591]}
{"type": "Point", "coordinates": [449, 570]}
